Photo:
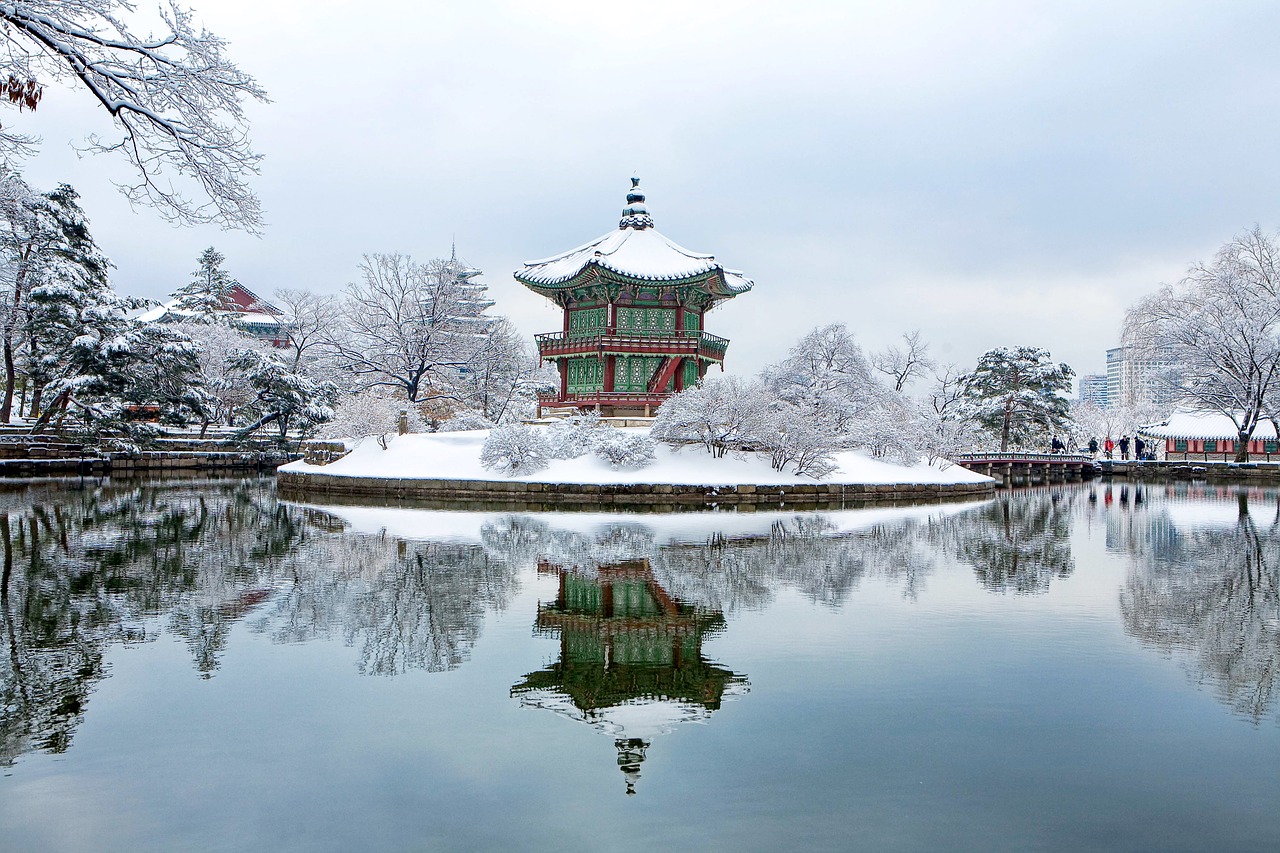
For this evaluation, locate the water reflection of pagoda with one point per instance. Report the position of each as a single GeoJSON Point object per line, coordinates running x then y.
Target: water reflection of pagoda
{"type": "Point", "coordinates": [631, 661]}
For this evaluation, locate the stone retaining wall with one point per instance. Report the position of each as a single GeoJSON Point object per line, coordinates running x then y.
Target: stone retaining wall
{"type": "Point", "coordinates": [144, 462]}
{"type": "Point", "coordinates": [657, 496]}
{"type": "Point", "coordinates": [1260, 472]}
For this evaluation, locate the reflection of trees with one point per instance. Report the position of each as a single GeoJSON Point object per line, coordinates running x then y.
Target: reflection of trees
{"type": "Point", "coordinates": [406, 605]}
{"type": "Point", "coordinates": [1018, 542]}
{"type": "Point", "coordinates": [120, 562]}
{"type": "Point", "coordinates": [1213, 593]}
{"type": "Point", "coordinates": [805, 552]}
{"type": "Point", "coordinates": [85, 568]}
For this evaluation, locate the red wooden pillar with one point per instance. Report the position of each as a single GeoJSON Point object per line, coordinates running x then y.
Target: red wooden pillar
{"type": "Point", "coordinates": [563, 365]}
{"type": "Point", "coordinates": [609, 364]}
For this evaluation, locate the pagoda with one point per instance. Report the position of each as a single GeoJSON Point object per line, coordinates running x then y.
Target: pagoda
{"type": "Point", "coordinates": [634, 306]}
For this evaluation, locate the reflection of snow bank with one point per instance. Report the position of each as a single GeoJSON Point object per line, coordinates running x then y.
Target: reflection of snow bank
{"type": "Point", "coordinates": [1188, 515]}
{"type": "Point", "coordinates": [456, 456]}
{"type": "Point", "coordinates": [661, 529]}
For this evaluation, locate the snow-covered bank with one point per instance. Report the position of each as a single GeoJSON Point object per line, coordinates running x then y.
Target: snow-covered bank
{"type": "Point", "coordinates": [456, 456]}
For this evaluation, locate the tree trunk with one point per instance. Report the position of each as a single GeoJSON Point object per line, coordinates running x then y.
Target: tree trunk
{"type": "Point", "coordinates": [33, 411]}
{"type": "Point", "coordinates": [1242, 445]}
{"type": "Point", "coordinates": [10, 380]}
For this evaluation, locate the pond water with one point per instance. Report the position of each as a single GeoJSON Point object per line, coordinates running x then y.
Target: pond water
{"type": "Point", "coordinates": [197, 665]}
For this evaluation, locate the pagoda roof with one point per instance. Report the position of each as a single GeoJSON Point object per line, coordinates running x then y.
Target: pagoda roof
{"type": "Point", "coordinates": [635, 252]}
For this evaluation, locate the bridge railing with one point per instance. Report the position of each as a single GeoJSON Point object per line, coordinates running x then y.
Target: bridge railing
{"type": "Point", "coordinates": [996, 457]}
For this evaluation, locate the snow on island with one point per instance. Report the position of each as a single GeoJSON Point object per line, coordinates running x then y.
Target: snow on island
{"type": "Point", "coordinates": [455, 457]}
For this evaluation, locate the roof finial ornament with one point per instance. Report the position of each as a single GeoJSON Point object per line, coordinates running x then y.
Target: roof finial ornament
{"type": "Point", "coordinates": [635, 214]}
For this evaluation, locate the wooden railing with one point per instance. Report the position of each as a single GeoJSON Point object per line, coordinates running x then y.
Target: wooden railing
{"type": "Point", "coordinates": [685, 342]}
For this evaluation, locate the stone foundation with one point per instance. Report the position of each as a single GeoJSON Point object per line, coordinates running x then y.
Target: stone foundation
{"type": "Point", "coordinates": [657, 497]}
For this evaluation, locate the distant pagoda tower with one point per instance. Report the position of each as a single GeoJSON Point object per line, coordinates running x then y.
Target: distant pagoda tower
{"type": "Point", "coordinates": [634, 304]}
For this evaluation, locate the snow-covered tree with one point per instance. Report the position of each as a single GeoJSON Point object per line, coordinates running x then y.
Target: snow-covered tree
{"type": "Point", "coordinates": [307, 323]}
{"type": "Point", "coordinates": [940, 436]}
{"type": "Point", "coordinates": [44, 239]}
{"type": "Point", "coordinates": [95, 363]}
{"type": "Point", "coordinates": [222, 389]}
{"type": "Point", "coordinates": [722, 415]}
{"type": "Point", "coordinates": [1018, 394]}
{"type": "Point", "coordinates": [289, 400]}
{"type": "Point", "coordinates": [203, 298]}
{"type": "Point", "coordinates": [515, 449]}
{"type": "Point", "coordinates": [903, 364]}
{"type": "Point", "coordinates": [421, 328]}
{"type": "Point", "coordinates": [500, 379]}
{"type": "Point", "coordinates": [173, 95]}
{"type": "Point", "coordinates": [791, 436]}
{"type": "Point", "coordinates": [827, 373]}
{"type": "Point", "coordinates": [373, 411]}
{"type": "Point", "coordinates": [623, 449]}
{"type": "Point", "coordinates": [1219, 330]}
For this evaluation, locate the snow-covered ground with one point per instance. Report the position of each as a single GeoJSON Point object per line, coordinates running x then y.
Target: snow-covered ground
{"type": "Point", "coordinates": [456, 456]}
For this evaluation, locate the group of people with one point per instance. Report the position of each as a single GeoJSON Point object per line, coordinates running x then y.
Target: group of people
{"type": "Point", "coordinates": [1109, 447]}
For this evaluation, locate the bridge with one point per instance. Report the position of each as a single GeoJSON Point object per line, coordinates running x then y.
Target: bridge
{"type": "Point", "coordinates": [1019, 468]}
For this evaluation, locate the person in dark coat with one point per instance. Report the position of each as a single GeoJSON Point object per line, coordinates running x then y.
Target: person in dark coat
{"type": "Point", "coordinates": [1093, 446]}
{"type": "Point", "coordinates": [1124, 447]}
{"type": "Point", "coordinates": [1057, 445]}
{"type": "Point", "coordinates": [1139, 447]}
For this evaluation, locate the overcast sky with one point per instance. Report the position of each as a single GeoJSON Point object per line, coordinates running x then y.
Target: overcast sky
{"type": "Point", "coordinates": [996, 173]}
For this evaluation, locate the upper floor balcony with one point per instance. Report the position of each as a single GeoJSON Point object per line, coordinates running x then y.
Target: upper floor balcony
{"type": "Point", "coordinates": [690, 342]}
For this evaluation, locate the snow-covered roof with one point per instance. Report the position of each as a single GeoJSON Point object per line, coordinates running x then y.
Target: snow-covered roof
{"type": "Point", "coordinates": [635, 250]}
{"type": "Point", "coordinates": [1198, 424]}
{"type": "Point", "coordinates": [171, 311]}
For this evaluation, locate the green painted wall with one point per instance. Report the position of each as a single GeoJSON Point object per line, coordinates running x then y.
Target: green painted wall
{"type": "Point", "coordinates": [653, 321]}
{"type": "Point", "coordinates": [585, 375]}
{"type": "Point", "coordinates": [633, 372]}
{"type": "Point", "coordinates": [587, 321]}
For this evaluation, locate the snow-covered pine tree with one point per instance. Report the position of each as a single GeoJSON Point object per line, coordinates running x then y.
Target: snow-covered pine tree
{"type": "Point", "coordinates": [93, 362]}
{"type": "Point", "coordinates": [204, 298]}
{"type": "Point", "coordinates": [221, 390]}
{"type": "Point", "coordinates": [1019, 395]}
{"type": "Point", "coordinates": [292, 401]}
{"type": "Point", "coordinates": [44, 238]}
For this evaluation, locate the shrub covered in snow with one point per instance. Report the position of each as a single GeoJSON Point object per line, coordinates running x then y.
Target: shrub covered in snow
{"type": "Point", "coordinates": [624, 449]}
{"type": "Point", "coordinates": [467, 419]}
{"type": "Point", "coordinates": [515, 449]}
{"type": "Point", "coordinates": [571, 437]}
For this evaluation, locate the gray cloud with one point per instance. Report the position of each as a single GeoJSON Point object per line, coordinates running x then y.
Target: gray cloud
{"type": "Point", "coordinates": [992, 174]}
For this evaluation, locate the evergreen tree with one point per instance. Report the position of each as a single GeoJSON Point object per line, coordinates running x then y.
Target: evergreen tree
{"type": "Point", "coordinates": [290, 400]}
{"type": "Point", "coordinates": [205, 296]}
{"type": "Point", "coordinates": [44, 241]}
{"type": "Point", "coordinates": [1019, 394]}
